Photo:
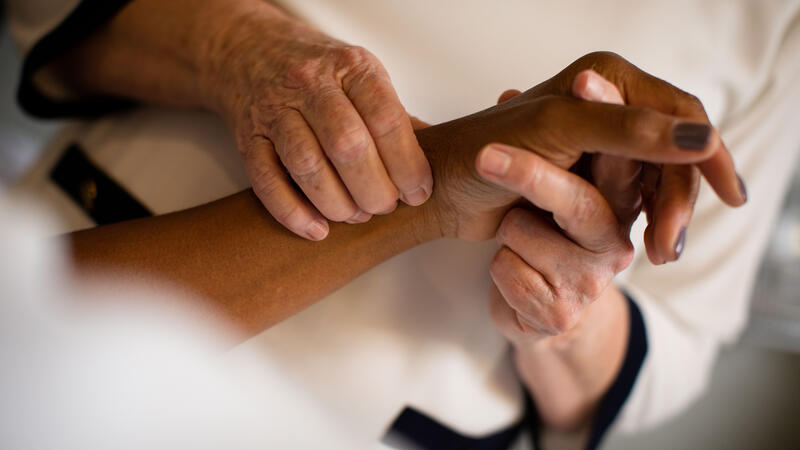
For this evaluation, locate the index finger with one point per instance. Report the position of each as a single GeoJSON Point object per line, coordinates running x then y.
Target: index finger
{"type": "Point", "coordinates": [577, 207]}
{"type": "Point", "coordinates": [375, 99]}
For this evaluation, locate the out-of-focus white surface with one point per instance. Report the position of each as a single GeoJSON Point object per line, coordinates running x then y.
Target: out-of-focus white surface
{"type": "Point", "coordinates": [21, 139]}
{"type": "Point", "coordinates": [103, 365]}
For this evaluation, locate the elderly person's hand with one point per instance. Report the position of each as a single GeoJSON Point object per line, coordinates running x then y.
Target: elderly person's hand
{"type": "Point", "coordinates": [322, 110]}
{"type": "Point", "coordinates": [306, 111]}
{"type": "Point", "coordinates": [552, 296]}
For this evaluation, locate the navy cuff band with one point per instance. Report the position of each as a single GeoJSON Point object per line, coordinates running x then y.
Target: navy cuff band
{"type": "Point", "coordinates": [620, 389]}
{"type": "Point", "coordinates": [86, 18]}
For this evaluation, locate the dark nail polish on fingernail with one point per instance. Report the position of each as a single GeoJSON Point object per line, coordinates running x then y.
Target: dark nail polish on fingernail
{"type": "Point", "coordinates": [691, 136]}
{"type": "Point", "coordinates": [742, 187]}
{"type": "Point", "coordinates": [680, 242]}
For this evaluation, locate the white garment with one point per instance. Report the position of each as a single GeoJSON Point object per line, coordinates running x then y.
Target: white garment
{"type": "Point", "coordinates": [99, 366]}
{"type": "Point", "coordinates": [415, 330]}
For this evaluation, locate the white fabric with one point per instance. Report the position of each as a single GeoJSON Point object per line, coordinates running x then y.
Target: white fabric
{"type": "Point", "coordinates": [97, 366]}
{"type": "Point", "coordinates": [415, 330]}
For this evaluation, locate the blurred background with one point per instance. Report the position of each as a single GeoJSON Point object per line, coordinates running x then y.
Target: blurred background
{"type": "Point", "coordinates": [754, 397]}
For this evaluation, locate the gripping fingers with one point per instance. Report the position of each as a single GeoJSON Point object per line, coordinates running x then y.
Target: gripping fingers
{"type": "Point", "coordinates": [672, 210]}
{"type": "Point", "coordinates": [578, 208]}
{"type": "Point", "coordinates": [568, 268]}
{"type": "Point", "coordinates": [276, 192]}
{"type": "Point", "coordinates": [349, 146]}
{"type": "Point", "coordinates": [538, 309]}
{"type": "Point", "coordinates": [507, 319]}
{"type": "Point", "coordinates": [301, 155]}
{"type": "Point", "coordinates": [376, 101]}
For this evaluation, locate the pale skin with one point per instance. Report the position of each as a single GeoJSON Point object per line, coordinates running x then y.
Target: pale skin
{"type": "Point", "coordinates": [217, 250]}
{"type": "Point", "coordinates": [306, 107]}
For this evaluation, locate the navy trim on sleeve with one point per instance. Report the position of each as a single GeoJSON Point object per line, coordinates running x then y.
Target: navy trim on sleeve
{"type": "Point", "coordinates": [618, 393]}
{"type": "Point", "coordinates": [414, 429]}
{"type": "Point", "coordinates": [87, 17]}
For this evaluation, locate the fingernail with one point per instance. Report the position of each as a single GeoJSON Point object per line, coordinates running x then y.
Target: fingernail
{"type": "Point", "coordinates": [691, 136]}
{"type": "Point", "coordinates": [416, 197]}
{"type": "Point", "coordinates": [495, 161]}
{"type": "Point", "coordinates": [679, 243]}
{"type": "Point", "coordinates": [317, 230]}
{"type": "Point", "coordinates": [359, 217]}
{"type": "Point", "coordinates": [742, 188]}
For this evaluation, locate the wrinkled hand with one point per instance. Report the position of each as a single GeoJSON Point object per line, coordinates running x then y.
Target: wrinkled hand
{"type": "Point", "coordinates": [546, 274]}
{"type": "Point", "coordinates": [326, 113]}
{"type": "Point", "coordinates": [549, 271]}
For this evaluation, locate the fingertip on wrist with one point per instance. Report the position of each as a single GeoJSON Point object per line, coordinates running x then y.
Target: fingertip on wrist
{"type": "Point", "coordinates": [416, 197]}
{"type": "Point", "coordinates": [317, 230]}
{"type": "Point", "coordinates": [493, 160]}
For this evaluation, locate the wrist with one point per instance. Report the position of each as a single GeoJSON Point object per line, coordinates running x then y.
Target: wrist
{"type": "Point", "coordinates": [235, 39]}
{"type": "Point", "coordinates": [569, 374]}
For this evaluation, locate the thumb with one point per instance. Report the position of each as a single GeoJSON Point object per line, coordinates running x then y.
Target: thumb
{"type": "Point", "coordinates": [591, 86]}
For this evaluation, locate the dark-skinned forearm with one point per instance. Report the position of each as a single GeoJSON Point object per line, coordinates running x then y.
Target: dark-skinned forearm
{"type": "Point", "coordinates": [232, 252]}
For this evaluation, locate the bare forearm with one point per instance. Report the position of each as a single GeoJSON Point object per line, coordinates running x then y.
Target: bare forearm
{"type": "Point", "coordinates": [160, 52]}
{"type": "Point", "coordinates": [568, 375]}
{"type": "Point", "coordinates": [233, 253]}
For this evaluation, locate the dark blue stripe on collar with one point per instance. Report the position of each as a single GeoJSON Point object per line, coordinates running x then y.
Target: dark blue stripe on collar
{"type": "Point", "coordinates": [618, 393]}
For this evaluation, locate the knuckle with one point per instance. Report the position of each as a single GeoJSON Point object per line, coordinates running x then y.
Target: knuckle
{"type": "Point", "coordinates": [583, 205]}
{"type": "Point", "coordinates": [355, 56]}
{"type": "Point", "coordinates": [520, 291]}
{"type": "Point", "coordinates": [532, 176]}
{"type": "Point", "coordinates": [348, 146]}
{"type": "Point", "coordinates": [387, 118]}
{"type": "Point", "coordinates": [290, 217]}
{"type": "Point", "coordinates": [642, 126]}
{"type": "Point", "coordinates": [301, 74]}
{"type": "Point", "coordinates": [510, 226]}
{"type": "Point", "coordinates": [302, 162]}
{"type": "Point", "coordinates": [565, 318]}
{"type": "Point", "coordinates": [624, 257]}
{"type": "Point", "coordinates": [591, 285]}
{"type": "Point", "coordinates": [500, 263]}
{"type": "Point", "coordinates": [265, 181]}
